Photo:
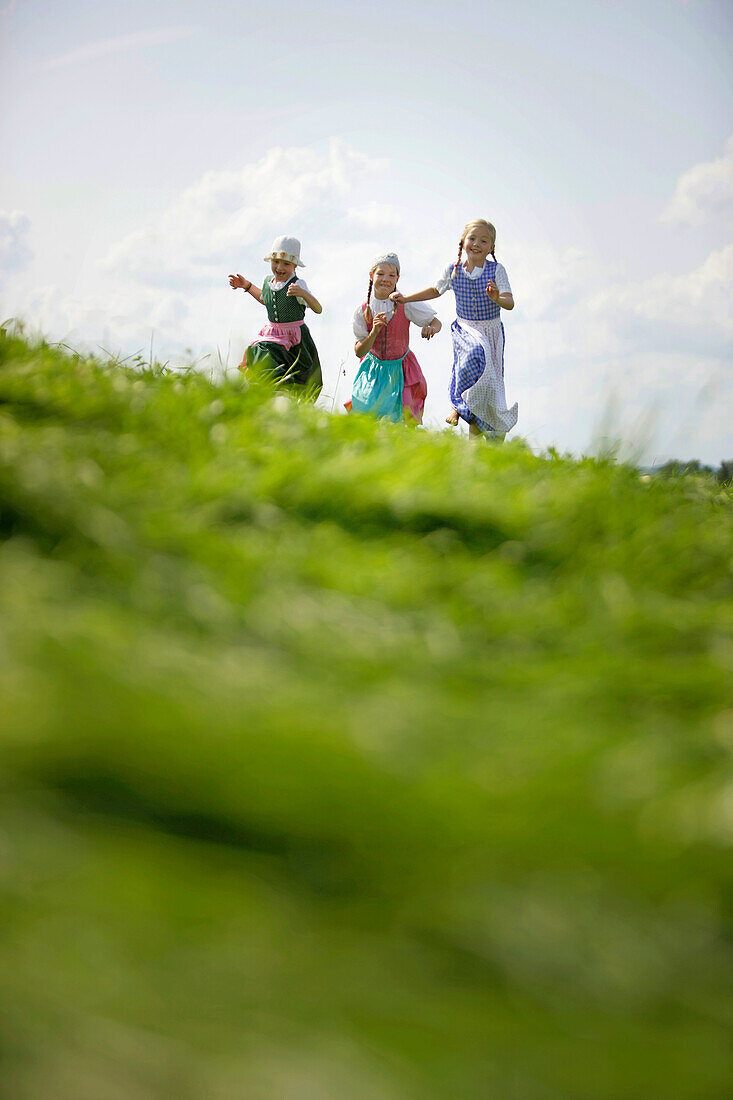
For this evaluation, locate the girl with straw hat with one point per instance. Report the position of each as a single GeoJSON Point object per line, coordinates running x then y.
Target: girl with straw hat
{"type": "Point", "coordinates": [284, 346]}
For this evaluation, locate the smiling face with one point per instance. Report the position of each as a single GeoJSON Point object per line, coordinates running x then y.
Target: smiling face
{"type": "Point", "coordinates": [281, 269]}
{"type": "Point", "coordinates": [478, 242]}
{"type": "Point", "coordinates": [384, 280]}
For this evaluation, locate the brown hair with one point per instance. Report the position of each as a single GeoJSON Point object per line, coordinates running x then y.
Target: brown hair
{"type": "Point", "coordinates": [469, 225]}
{"type": "Point", "coordinates": [369, 298]}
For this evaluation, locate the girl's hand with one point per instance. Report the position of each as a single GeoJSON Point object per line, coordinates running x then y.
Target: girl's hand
{"type": "Point", "coordinates": [304, 296]}
{"type": "Point", "coordinates": [238, 281]}
{"type": "Point", "coordinates": [396, 296]}
{"type": "Point", "coordinates": [428, 331]}
{"type": "Point", "coordinates": [493, 291]}
{"type": "Point", "coordinates": [380, 320]}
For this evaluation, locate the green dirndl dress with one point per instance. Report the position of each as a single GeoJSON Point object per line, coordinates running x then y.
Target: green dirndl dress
{"type": "Point", "coordinates": [284, 348]}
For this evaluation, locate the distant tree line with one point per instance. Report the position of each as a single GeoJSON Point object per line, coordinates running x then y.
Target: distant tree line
{"type": "Point", "coordinates": [675, 468]}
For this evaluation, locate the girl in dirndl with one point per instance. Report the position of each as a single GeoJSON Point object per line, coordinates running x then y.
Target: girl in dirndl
{"type": "Point", "coordinates": [389, 383]}
{"type": "Point", "coordinates": [284, 347]}
{"type": "Point", "coordinates": [482, 290]}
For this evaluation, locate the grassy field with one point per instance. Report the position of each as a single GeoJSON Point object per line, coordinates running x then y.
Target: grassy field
{"type": "Point", "coordinates": [344, 761]}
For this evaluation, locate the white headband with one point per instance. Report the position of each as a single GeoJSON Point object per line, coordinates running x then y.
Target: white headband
{"type": "Point", "coordinates": [386, 258]}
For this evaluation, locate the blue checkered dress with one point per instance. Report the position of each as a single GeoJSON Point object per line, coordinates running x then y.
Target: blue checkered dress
{"type": "Point", "coordinates": [477, 381]}
{"type": "Point", "coordinates": [472, 301]}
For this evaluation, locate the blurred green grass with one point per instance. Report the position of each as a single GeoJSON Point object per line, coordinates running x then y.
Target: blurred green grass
{"type": "Point", "coordinates": [345, 760]}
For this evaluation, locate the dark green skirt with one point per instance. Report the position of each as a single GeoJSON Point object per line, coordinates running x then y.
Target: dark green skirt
{"type": "Point", "coordinates": [298, 366]}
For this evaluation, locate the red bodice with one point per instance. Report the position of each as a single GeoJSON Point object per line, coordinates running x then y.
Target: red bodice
{"type": "Point", "coordinates": [393, 342]}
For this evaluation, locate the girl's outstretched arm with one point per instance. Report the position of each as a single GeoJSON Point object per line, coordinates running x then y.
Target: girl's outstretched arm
{"type": "Point", "coordinates": [300, 292]}
{"type": "Point", "coordinates": [237, 281]}
{"type": "Point", "coordinates": [418, 296]}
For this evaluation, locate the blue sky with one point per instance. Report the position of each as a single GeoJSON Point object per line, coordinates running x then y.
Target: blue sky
{"type": "Point", "coordinates": [150, 148]}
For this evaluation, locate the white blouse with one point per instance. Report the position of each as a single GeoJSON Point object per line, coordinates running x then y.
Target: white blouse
{"type": "Point", "coordinates": [500, 278]}
{"type": "Point", "coordinates": [420, 313]}
{"type": "Point", "coordinates": [275, 285]}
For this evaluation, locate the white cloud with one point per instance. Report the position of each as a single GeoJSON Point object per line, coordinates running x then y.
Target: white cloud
{"type": "Point", "coordinates": [171, 275]}
{"type": "Point", "coordinates": [226, 222]}
{"type": "Point", "coordinates": [15, 252]}
{"type": "Point", "coordinates": [655, 352]}
{"type": "Point", "coordinates": [376, 216]}
{"type": "Point", "coordinates": [550, 280]}
{"type": "Point", "coordinates": [6, 14]}
{"type": "Point", "coordinates": [689, 311]}
{"type": "Point", "coordinates": [581, 333]}
{"type": "Point", "coordinates": [155, 36]}
{"type": "Point", "coordinates": [704, 193]}
{"type": "Point", "coordinates": [231, 217]}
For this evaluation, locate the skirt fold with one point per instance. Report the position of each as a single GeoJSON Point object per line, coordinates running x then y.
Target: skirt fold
{"type": "Point", "coordinates": [415, 388]}
{"type": "Point", "coordinates": [477, 382]}
{"type": "Point", "coordinates": [297, 366]}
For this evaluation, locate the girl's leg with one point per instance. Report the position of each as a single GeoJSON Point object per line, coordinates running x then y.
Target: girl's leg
{"type": "Point", "coordinates": [490, 437]}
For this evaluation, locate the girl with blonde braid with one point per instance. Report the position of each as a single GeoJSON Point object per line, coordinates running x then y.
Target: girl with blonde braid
{"type": "Point", "coordinates": [482, 290]}
{"type": "Point", "coordinates": [389, 382]}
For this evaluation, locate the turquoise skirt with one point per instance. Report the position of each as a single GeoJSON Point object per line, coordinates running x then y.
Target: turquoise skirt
{"type": "Point", "coordinates": [378, 388]}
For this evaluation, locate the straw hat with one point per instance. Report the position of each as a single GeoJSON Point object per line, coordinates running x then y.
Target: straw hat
{"type": "Point", "coordinates": [285, 248]}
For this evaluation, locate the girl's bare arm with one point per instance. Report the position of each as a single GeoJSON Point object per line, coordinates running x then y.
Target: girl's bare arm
{"type": "Point", "coordinates": [431, 330]}
{"type": "Point", "coordinates": [418, 296]}
{"type": "Point", "coordinates": [362, 347]}
{"type": "Point", "coordinates": [237, 281]}
{"type": "Point", "coordinates": [300, 292]}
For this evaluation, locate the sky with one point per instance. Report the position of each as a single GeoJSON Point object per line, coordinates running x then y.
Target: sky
{"type": "Point", "coordinates": [151, 147]}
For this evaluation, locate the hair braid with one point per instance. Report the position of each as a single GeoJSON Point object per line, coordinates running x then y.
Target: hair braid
{"type": "Point", "coordinates": [368, 312]}
{"type": "Point", "coordinates": [460, 250]}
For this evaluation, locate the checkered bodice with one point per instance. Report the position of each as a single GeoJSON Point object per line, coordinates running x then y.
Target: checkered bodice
{"type": "Point", "coordinates": [279, 307]}
{"type": "Point", "coordinates": [472, 301]}
{"type": "Point", "coordinates": [393, 342]}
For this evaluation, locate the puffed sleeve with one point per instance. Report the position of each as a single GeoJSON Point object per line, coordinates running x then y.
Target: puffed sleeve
{"type": "Point", "coordinates": [303, 283]}
{"type": "Point", "coordinates": [443, 282]}
{"type": "Point", "coordinates": [359, 324]}
{"type": "Point", "coordinates": [502, 280]}
{"type": "Point", "coordinates": [420, 313]}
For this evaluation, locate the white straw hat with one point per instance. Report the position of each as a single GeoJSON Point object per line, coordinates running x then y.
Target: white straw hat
{"type": "Point", "coordinates": [286, 248]}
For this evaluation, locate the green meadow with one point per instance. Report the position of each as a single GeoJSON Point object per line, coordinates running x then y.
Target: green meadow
{"type": "Point", "coordinates": [346, 761]}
